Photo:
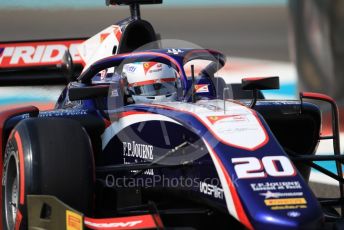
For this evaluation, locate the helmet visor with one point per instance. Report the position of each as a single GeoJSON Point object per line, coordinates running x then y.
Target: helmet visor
{"type": "Point", "coordinates": [154, 88]}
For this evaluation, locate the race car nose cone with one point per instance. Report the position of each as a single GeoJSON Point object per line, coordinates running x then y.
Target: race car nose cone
{"type": "Point", "coordinates": [293, 220]}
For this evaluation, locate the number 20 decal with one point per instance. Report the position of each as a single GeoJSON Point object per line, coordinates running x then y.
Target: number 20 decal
{"type": "Point", "coordinates": [252, 167]}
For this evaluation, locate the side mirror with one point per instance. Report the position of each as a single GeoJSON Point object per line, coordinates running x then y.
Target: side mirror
{"type": "Point", "coordinates": [259, 83]}
{"type": "Point", "coordinates": [129, 2]}
{"type": "Point", "coordinates": [88, 92]}
{"type": "Point", "coordinates": [68, 67]}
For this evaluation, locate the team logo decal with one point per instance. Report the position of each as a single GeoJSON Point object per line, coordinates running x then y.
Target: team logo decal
{"type": "Point", "coordinates": [103, 37]}
{"type": "Point", "coordinates": [175, 51]}
{"type": "Point", "coordinates": [202, 88]}
{"type": "Point", "coordinates": [214, 119]}
{"type": "Point", "coordinates": [118, 33]}
{"type": "Point", "coordinates": [294, 214]}
{"type": "Point", "coordinates": [147, 66]}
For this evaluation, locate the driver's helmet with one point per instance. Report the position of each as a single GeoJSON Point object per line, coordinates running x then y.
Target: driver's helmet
{"type": "Point", "coordinates": [149, 82]}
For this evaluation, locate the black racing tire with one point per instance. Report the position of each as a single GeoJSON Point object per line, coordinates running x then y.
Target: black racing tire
{"type": "Point", "coordinates": [317, 48]}
{"type": "Point", "coordinates": [50, 156]}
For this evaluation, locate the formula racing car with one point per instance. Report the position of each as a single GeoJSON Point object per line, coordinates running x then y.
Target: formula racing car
{"type": "Point", "coordinates": [148, 137]}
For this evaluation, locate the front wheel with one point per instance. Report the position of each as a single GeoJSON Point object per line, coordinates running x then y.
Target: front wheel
{"type": "Point", "coordinates": [11, 189]}
{"type": "Point", "coordinates": [50, 156]}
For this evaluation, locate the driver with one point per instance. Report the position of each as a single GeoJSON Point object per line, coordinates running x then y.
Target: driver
{"type": "Point", "coordinates": [149, 82]}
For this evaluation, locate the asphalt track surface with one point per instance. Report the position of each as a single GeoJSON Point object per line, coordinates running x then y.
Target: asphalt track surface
{"type": "Point", "coordinates": [252, 32]}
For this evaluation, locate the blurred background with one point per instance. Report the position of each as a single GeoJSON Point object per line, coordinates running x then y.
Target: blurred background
{"type": "Point", "coordinates": [244, 28]}
{"type": "Point", "coordinates": [256, 30]}
{"type": "Point", "coordinates": [299, 40]}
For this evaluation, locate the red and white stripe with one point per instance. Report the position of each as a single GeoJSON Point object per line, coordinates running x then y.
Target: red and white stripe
{"type": "Point", "coordinates": [232, 199]}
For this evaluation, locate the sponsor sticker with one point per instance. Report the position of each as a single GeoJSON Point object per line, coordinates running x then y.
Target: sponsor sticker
{"type": "Point", "coordinates": [214, 119]}
{"type": "Point", "coordinates": [270, 194]}
{"type": "Point", "coordinates": [139, 153]}
{"type": "Point", "coordinates": [202, 88]}
{"type": "Point", "coordinates": [115, 225]}
{"type": "Point", "coordinates": [273, 186]}
{"type": "Point", "coordinates": [293, 214]}
{"type": "Point", "coordinates": [147, 66]}
{"type": "Point", "coordinates": [283, 207]}
{"type": "Point", "coordinates": [175, 51]}
{"type": "Point", "coordinates": [61, 113]}
{"type": "Point", "coordinates": [211, 107]}
{"type": "Point", "coordinates": [130, 222]}
{"type": "Point", "coordinates": [286, 201]}
{"type": "Point", "coordinates": [37, 53]}
{"type": "Point", "coordinates": [131, 69]}
{"type": "Point", "coordinates": [128, 161]}
{"type": "Point", "coordinates": [155, 70]}
{"type": "Point", "coordinates": [211, 190]}
{"type": "Point", "coordinates": [73, 221]}
{"type": "Point", "coordinates": [133, 149]}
